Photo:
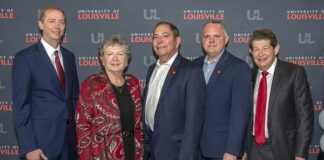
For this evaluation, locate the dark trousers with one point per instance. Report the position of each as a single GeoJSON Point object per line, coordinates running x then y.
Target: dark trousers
{"type": "Point", "coordinates": [69, 151]}
{"type": "Point", "coordinates": [261, 153]}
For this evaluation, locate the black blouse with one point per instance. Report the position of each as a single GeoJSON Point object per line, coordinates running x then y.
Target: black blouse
{"type": "Point", "coordinates": [126, 111]}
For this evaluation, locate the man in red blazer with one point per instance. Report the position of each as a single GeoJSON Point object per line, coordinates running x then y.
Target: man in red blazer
{"type": "Point", "coordinates": [282, 118]}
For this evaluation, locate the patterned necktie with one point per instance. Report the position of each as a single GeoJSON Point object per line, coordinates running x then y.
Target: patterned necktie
{"type": "Point", "coordinates": [60, 71]}
{"type": "Point", "coordinates": [259, 130]}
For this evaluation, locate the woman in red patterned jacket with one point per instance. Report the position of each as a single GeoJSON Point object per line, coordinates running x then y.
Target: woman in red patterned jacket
{"type": "Point", "coordinates": [109, 109]}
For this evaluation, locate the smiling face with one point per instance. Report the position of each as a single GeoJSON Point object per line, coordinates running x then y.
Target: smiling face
{"type": "Point", "coordinates": [164, 42]}
{"type": "Point", "coordinates": [114, 59]}
{"type": "Point", "coordinates": [53, 26]}
{"type": "Point", "coordinates": [264, 53]}
{"type": "Point", "coordinates": [214, 39]}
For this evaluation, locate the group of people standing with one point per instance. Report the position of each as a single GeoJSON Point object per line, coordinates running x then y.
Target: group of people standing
{"type": "Point", "coordinates": [214, 107]}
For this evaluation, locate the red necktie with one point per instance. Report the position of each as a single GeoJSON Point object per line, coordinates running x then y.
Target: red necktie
{"type": "Point", "coordinates": [259, 123]}
{"type": "Point", "coordinates": [60, 71]}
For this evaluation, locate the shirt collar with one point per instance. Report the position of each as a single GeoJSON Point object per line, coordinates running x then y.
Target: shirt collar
{"type": "Point", "coordinates": [216, 60]}
{"type": "Point", "coordinates": [169, 62]}
{"type": "Point", "coordinates": [48, 48]}
{"type": "Point", "coordinates": [272, 67]}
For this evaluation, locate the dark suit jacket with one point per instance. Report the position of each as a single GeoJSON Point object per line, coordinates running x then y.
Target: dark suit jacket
{"type": "Point", "coordinates": [179, 114]}
{"type": "Point", "coordinates": [228, 106]}
{"type": "Point", "coordinates": [41, 109]}
{"type": "Point", "coordinates": [290, 113]}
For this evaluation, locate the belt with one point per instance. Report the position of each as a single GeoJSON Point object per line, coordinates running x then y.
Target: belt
{"type": "Point", "coordinates": [128, 133]}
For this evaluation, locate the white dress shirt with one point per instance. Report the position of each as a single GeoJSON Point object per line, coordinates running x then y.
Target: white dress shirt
{"type": "Point", "coordinates": [50, 52]}
{"type": "Point", "coordinates": [256, 89]}
{"type": "Point", "coordinates": [157, 79]}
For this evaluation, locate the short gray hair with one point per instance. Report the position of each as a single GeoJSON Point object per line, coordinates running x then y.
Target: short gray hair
{"type": "Point", "coordinates": [215, 22]}
{"type": "Point", "coordinates": [115, 40]}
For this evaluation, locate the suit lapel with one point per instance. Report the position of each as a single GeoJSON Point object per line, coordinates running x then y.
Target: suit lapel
{"type": "Point", "coordinates": [68, 77]}
{"type": "Point", "coordinates": [275, 84]}
{"type": "Point", "coordinates": [168, 80]}
{"type": "Point", "coordinates": [43, 58]}
{"type": "Point", "coordinates": [254, 73]}
{"type": "Point", "coordinates": [215, 75]}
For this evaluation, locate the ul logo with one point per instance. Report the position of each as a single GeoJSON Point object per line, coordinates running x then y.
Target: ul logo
{"type": "Point", "coordinates": [198, 38]}
{"type": "Point", "coordinates": [98, 39]}
{"type": "Point", "coordinates": [305, 38]}
{"type": "Point", "coordinates": [2, 131]}
{"type": "Point", "coordinates": [148, 60]}
{"type": "Point", "coordinates": [254, 15]}
{"type": "Point", "coordinates": [151, 15]}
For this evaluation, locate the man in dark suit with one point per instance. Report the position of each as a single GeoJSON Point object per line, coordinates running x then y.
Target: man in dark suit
{"type": "Point", "coordinates": [282, 123]}
{"type": "Point", "coordinates": [45, 89]}
{"type": "Point", "coordinates": [228, 100]}
{"type": "Point", "coordinates": [174, 100]}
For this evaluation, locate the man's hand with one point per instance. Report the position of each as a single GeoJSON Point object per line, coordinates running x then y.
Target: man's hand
{"type": "Point", "coordinates": [299, 158]}
{"type": "Point", "coordinates": [228, 156]}
{"type": "Point", "coordinates": [36, 155]}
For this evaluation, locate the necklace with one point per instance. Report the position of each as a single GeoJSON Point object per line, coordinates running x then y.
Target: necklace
{"type": "Point", "coordinates": [117, 83]}
{"type": "Point", "coordinates": [118, 88]}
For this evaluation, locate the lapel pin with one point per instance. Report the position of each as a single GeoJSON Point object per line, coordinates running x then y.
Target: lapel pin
{"type": "Point", "coordinates": [173, 72]}
{"type": "Point", "coordinates": [218, 71]}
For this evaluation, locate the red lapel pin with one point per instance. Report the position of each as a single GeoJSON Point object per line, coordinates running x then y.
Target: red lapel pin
{"type": "Point", "coordinates": [173, 72]}
{"type": "Point", "coordinates": [218, 71]}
